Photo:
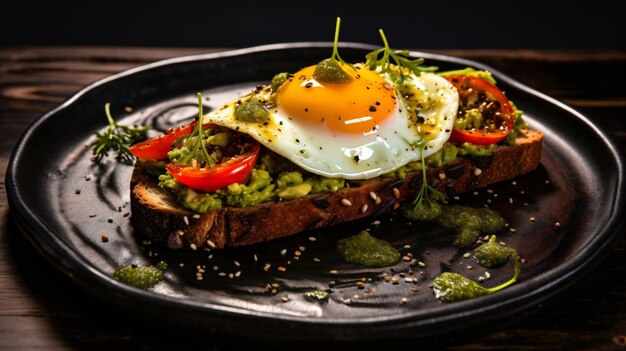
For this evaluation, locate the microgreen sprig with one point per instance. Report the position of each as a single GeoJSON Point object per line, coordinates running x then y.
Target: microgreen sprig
{"type": "Point", "coordinates": [197, 148]}
{"type": "Point", "coordinates": [401, 60]}
{"type": "Point", "coordinates": [117, 138]}
{"type": "Point", "coordinates": [335, 56]}
{"type": "Point", "coordinates": [426, 191]}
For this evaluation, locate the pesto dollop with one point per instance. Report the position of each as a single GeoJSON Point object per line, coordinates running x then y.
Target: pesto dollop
{"type": "Point", "coordinates": [279, 80]}
{"type": "Point", "coordinates": [450, 287]}
{"type": "Point", "coordinates": [365, 250]}
{"type": "Point", "coordinates": [252, 110]}
{"type": "Point", "coordinates": [329, 71]}
{"type": "Point", "coordinates": [470, 222]}
{"type": "Point", "coordinates": [142, 277]}
{"type": "Point", "coordinates": [318, 295]}
{"type": "Point", "coordinates": [492, 254]}
{"type": "Point", "coordinates": [424, 211]}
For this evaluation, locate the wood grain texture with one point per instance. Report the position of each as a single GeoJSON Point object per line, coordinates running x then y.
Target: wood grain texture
{"type": "Point", "coordinates": [42, 309]}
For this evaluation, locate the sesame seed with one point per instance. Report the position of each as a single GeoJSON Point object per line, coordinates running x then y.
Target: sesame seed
{"type": "Point", "coordinates": [331, 283]}
{"type": "Point", "coordinates": [421, 264]}
{"type": "Point", "coordinates": [221, 274]}
{"type": "Point", "coordinates": [378, 200]}
{"type": "Point", "coordinates": [376, 223]}
{"type": "Point", "coordinates": [532, 219]}
{"type": "Point", "coordinates": [469, 267]}
{"type": "Point", "coordinates": [333, 272]}
{"type": "Point", "coordinates": [281, 268]}
{"type": "Point", "coordinates": [211, 244]}
{"type": "Point", "coordinates": [285, 298]}
{"type": "Point", "coordinates": [512, 230]}
{"type": "Point", "coordinates": [266, 267]}
{"type": "Point", "coordinates": [481, 279]}
{"type": "Point", "coordinates": [364, 208]}
{"type": "Point", "coordinates": [312, 238]}
{"type": "Point", "coordinates": [487, 275]}
{"type": "Point", "coordinates": [283, 252]}
{"type": "Point", "coordinates": [477, 171]}
{"type": "Point", "coordinates": [502, 243]}
{"type": "Point", "coordinates": [396, 193]}
{"type": "Point", "coordinates": [215, 268]}
{"type": "Point", "coordinates": [406, 258]}
{"type": "Point", "coordinates": [395, 279]}
{"type": "Point", "coordinates": [316, 259]}
{"type": "Point", "coordinates": [441, 175]}
{"type": "Point", "coordinates": [199, 277]}
{"type": "Point", "coordinates": [346, 202]}
{"type": "Point", "coordinates": [404, 300]}
{"type": "Point", "coordinates": [104, 238]}
{"type": "Point", "coordinates": [180, 232]}
{"type": "Point", "coordinates": [302, 248]}
{"type": "Point", "coordinates": [475, 193]}
{"type": "Point", "coordinates": [237, 263]}
{"type": "Point", "coordinates": [193, 246]}
{"type": "Point", "coordinates": [547, 181]}
{"type": "Point", "coordinates": [181, 264]}
{"type": "Point", "coordinates": [373, 195]}
{"type": "Point", "coordinates": [466, 255]}
{"type": "Point", "coordinates": [297, 253]}
{"type": "Point", "coordinates": [510, 200]}
{"type": "Point", "coordinates": [356, 296]}
{"type": "Point", "coordinates": [274, 291]}
{"type": "Point", "coordinates": [128, 109]}
{"type": "Point", "coordinates": [456, 197]}
{"type": "Point", "coordinates": [196, 216]}
{"type": "Point", "coordinates": [557, 225]}
{"type": "Point", "coordinates": [360, 285]}
{"type": "Point", "coordinates": [186, 220]}
{"type": "Point", "coordinates": [414, 289]}
{"type": "Point", "coordinates": [346, 301]}
{"type": "Point", "coordinates": [210, 257]}
{"type": "Point", "coordinates": [488, 201]}
{"type": "Point", "coordinates": [408, 280]}
{"type": "Point", "coordinates": [514, 182]}
{"type": "Point", "coordinates": [256, 259]}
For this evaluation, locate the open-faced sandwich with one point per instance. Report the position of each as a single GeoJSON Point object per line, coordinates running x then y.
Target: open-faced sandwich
{"type": "Point", "coordinates": [330, 143]}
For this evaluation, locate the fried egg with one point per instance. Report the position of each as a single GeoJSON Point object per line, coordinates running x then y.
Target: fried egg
{"type": "Point", "coordinates": [356, 130]}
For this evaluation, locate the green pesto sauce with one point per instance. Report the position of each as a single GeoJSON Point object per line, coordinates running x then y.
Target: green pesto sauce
{"type": "Point", "coordinates": [450, 287]}
{"type": "Point", "coordinates": [329, 71]}
{"type": "Point", "coordinates": [425, 211]}
{"type": "Point", "coordinates": [470, 222]}
{"type": "Point", "coordinates": [318, 295]}
{"type": "Point", "coordinates": [279, 80]}
{"type": "Point", "coordinates": [492, 254]}
{"type": "Point", "coordinates": [365, 250]}
{"type": "Point", "coordinates": [252, 110]}
{"type": "Point", "coordinates": [142, 277]}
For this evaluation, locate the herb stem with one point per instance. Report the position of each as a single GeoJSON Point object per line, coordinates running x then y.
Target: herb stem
{"type": "Point", "coordinates": [201, 128]}
{"type": "Point", "coordinates": [510, 281]}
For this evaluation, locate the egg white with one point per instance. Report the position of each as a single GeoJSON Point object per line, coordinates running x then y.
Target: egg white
{"type": "Point", "coordinates": [396, 142]}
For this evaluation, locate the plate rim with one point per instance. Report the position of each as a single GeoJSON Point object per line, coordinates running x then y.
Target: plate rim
{"type": "Point", "coordinates": [535, 289]}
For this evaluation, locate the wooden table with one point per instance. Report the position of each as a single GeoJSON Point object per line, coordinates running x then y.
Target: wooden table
{"type": "Point", "coordinates": [40, 308]}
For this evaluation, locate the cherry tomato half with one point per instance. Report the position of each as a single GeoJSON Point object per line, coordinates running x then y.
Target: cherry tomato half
{"type": "Point", "coordinates": [235, 170]}
{"type": "Point", "coordinates": [157, 148]}
{"type": "Point", "coordinates": [498, 113]}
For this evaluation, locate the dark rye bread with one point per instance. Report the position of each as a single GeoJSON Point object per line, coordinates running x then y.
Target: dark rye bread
{"type": "Point", "coordinates": [156, 215]}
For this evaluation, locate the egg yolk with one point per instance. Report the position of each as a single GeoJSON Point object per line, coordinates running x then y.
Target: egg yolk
{"type": "Point", "coordinates": [358, 106]}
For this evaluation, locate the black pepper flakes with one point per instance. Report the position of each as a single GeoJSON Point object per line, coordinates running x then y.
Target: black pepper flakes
{"type": "Point", "coordinates": [308, 85]}
{"type": "Point", "coordinates": [77, 191]}
{"type": "Point", "coordinates": [372, 109]}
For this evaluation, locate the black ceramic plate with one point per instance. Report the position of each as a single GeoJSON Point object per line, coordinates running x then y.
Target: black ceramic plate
{"type": "Point", "coordinates": [65, 203]}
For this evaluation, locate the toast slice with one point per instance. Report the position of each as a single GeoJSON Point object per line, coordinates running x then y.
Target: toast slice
{"type": "Point", "coordinates": [157, 216]}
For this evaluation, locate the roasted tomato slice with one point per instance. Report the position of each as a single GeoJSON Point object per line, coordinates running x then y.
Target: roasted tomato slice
{"type": "Point", "coordinates": [498, 115]}
{"type": "Point", "coordinates": [157, 148]}
{"type": "Point", "coordinates": [208, 179]}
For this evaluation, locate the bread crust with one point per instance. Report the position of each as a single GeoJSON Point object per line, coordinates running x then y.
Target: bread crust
{"type": "Point", "coordinates": [157, 217]}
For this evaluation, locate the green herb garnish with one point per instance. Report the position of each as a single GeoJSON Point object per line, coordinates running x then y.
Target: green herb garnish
{"type": "Point", "coordinates": [450, 287]}
{"type": "Point", "coordinates": [329, 70]}
{"type": "Point", "coordinates": [194, 142]}
{"type": "Point", "coordinates": [425, 206]}
{"type": "Point", "coordinates": [117, 138]}
{"type": "Point", "coordinates": [401, 61]}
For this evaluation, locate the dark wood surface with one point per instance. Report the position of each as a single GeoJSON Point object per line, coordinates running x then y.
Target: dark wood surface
{"type": "Point", "coordinates": [41, 309]}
